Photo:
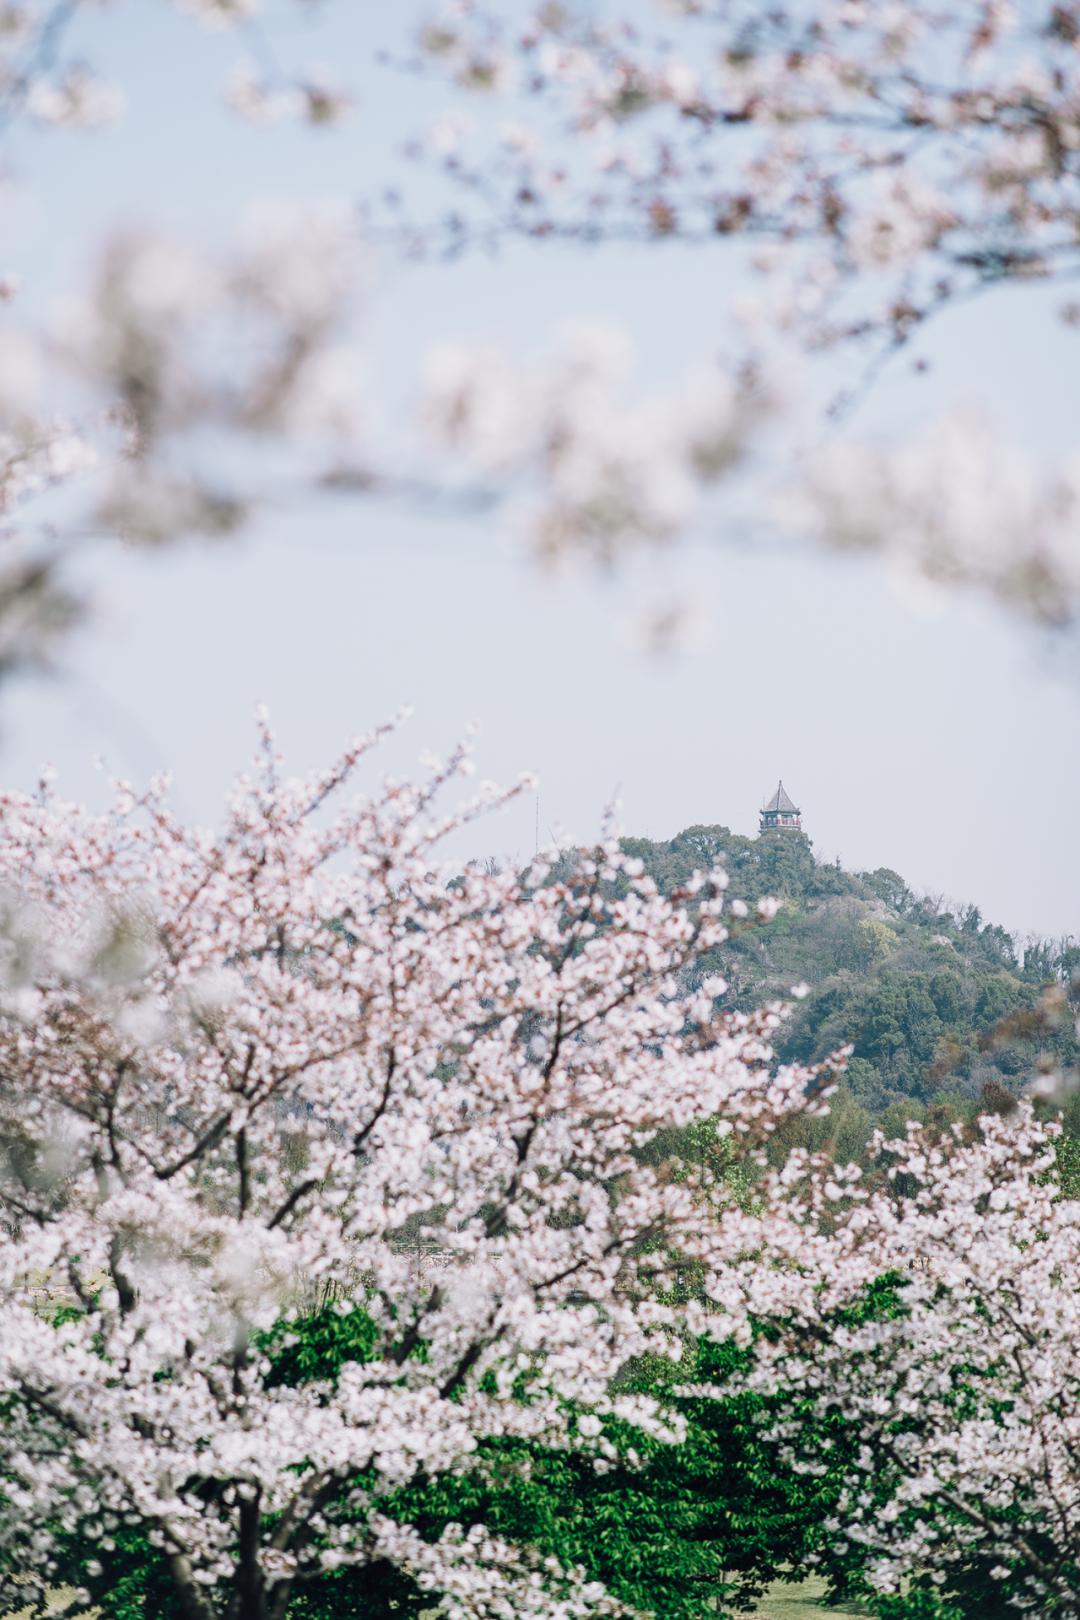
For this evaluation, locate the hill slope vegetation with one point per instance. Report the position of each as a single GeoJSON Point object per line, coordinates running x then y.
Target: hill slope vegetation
{"type": "Point", "coordinates": [938, 1005]}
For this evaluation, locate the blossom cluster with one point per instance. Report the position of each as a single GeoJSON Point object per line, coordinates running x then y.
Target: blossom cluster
{"type": "Point", "coordinates": [599, 471]}
{"type": "Point", "coordinates": [902, 156]}
{"type": "Point", "coordinates": [238, 1068]}
{"type": "Point", "coordinates": [957, 504]}
{"type": "Point", "coordinates": [878, 164]}
{"type": "Point", "coordinates": [43, 76]}
{"type": "Point", "coordinates": [143, 406]}
{"type": "Point", "coordinates": [964, 1387]}
{"type": "Point", "coordinates": [895, 187]}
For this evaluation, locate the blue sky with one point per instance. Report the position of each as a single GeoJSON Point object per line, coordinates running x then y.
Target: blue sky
{"type": "Point", "coordinates": [937, 739]}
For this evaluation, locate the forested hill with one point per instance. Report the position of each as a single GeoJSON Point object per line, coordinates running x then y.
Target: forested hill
{"type": "Point", "coordinates": [933, 1002]}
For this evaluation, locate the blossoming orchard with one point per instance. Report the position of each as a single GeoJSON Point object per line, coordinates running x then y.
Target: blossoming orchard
{"type": "Point", "coordinates": [240, 1076]}
{"type": "Point", "coordinates": [392, 1222]}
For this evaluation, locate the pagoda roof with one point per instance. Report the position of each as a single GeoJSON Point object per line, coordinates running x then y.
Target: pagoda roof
{"type": "Point", "coordinates": [780, 802]}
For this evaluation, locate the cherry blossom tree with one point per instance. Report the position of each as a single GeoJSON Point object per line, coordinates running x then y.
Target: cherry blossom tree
{"type": "Point", "coordinates": [938, 1310]}
{"type": "Point", "coordinates": [309, 1055]}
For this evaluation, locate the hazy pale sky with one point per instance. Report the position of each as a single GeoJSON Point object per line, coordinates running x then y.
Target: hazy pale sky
{"type": "Point", "coordinates": [935, 736]}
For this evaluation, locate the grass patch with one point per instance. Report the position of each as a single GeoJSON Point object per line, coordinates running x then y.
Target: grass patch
{"type": "Point", "coordinates": [801, 1600]}
{"type": "Point", "coordinates": [785, 1600]}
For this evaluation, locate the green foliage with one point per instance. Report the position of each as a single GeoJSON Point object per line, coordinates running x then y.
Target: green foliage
{"type": "Point", "coordinates": [129, 1579]}
{"type": "Point", "coordinates": [843, 1132]}
{"type": "Point", "coordinates": [924, 1603]}
{"type": "Point", "coordinates": [671, 1530]}
{"type": "Point", "coordinates": [1067, 1153]}
{"type": "Point", "coordinates": [316, 1346]}
{"type": "Point", "coordinates": [676, 1531]}
{"type": "Point", "coordinates": [929, 1000]}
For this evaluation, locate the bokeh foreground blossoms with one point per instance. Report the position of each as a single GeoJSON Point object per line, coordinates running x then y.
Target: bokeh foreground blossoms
{"type": "Point", "coordinates": [869, 168]}
{"type": "Point", "coordinates": [309, 1057]}
{"type": "Point", "coordinates": [873, 167]}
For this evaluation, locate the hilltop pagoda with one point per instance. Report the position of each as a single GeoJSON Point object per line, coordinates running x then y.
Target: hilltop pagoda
{"type": "Point", "coordinates": [779, 812]}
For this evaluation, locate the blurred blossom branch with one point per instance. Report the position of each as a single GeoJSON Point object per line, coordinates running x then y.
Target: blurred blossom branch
{"type": "Point", "coordinates": [40, 75]}
{"type": "Point", "coordinates": [166, 362]}
{"type": "Point", "coordinates": [604, 472]}
{"type": "Point", "coordinates": [896, 156]}
{"type": "Point", "coordinates": [958, 505]}
{"type": "Point", "coordinates": [879, 163]}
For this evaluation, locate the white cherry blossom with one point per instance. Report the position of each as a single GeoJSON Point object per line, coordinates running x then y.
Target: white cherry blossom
{"type": "Point", "coordinates": [967, 1390]}
{"type": "Point", "coordinates": [236, 1068]}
